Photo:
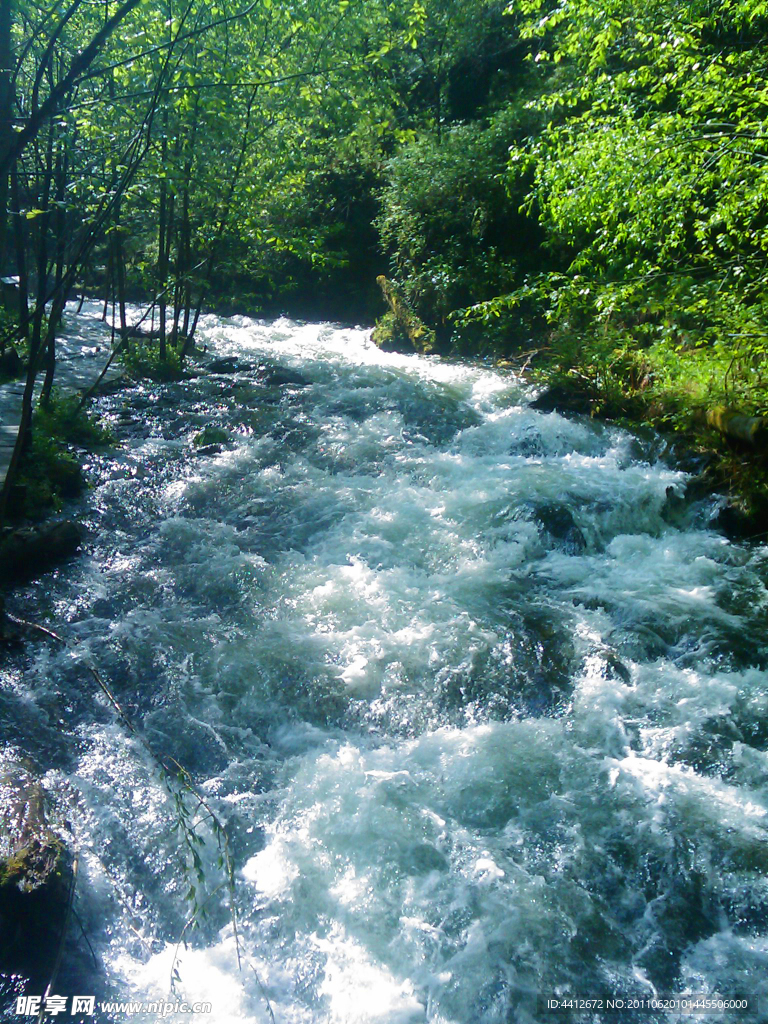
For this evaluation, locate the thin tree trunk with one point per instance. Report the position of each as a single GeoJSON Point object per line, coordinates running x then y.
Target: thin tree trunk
{"type": "Point", "coordinates": [186, 243]}
{"type": "Point", "coordinates": [59, 230]}
{"type": "Point", "coordinates": [119, 265]}
{"type": "Point", "coordinates": [162, 261]}
{"type": "Point", "coordinates": [49, 107]}
{"type": "Point", "coordinates": [42, 222]}
{"type": "Point", "coordinates": [189, 341]}
{"type": "Point", "coordinates": [184, 249]}
{"type": "Point", "coordinates": [6, 127]}
{"type": "Point", "coordinates": [20, 241]}
{"type": "Point", "coordinates": [108, 283]}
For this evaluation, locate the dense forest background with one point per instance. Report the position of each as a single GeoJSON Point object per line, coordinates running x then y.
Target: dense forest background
{"type": "Point", "coordinates": [581, 179]}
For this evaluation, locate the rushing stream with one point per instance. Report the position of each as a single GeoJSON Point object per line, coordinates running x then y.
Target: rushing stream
{"type": "Point", "coordinates": [480, 696]}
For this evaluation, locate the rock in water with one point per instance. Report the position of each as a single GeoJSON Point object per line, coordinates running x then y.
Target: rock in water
{"type": "Point", "coordinates": [36, 877]}
{"type": "Point", "coordinates": [28, 552]}
{"type": "Point", "coordinates": [280, 376]}
{"type": "Point", "coordinates": [226, 364]}
{"type": "Point", "coordinates": [559, 398]}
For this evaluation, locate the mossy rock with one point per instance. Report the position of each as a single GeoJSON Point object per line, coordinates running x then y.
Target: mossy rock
{"type": "Point", "coordinates": [210, 435]}
{"type": "Point", "coordinates": [424, 339]}
{"type": "Point", "coordinates": [390, 336]}
{"type": "Point", "coordinates": [36, 877]}
{"type": "Point", "coordinates": [407, 324]}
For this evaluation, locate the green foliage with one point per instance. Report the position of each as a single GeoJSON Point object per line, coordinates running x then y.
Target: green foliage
{"type": "Point", "coordinates": [210, 435]}
{"type": "Point", "coordinates": [63, 420]}
{"type": "Point", "coordinates": [48, 473]}
{"type": "Point", "coordinates": [50, 470]}
{"type": "Point", "coordinates": [142, 361]}
{"type": "Point", "coordinates": [651, 182]}
{"type": "Point", "coordinates": [389, 335]}
{"type": "Point", "coordinates": [450, 219]}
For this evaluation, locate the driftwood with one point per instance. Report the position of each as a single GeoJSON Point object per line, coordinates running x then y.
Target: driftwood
{"type": "Point", "coordinates": [750, 430]}
{"type": "Point", "coordinates": [139, 333]}
{"type": "Point", "coordinates": [420, 337]}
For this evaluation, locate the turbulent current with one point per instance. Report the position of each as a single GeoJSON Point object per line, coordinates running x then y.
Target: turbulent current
{"type": "Point", "coordinates": [477, 693]}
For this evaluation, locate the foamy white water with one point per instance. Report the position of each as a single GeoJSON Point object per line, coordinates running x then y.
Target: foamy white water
{"type": "Point", "coordinates": [482, 702]}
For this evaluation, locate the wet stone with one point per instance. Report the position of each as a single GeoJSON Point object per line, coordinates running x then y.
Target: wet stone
{"type": "Point", "coordinates": [29, 552]}
{"type": "Point", "coordinates": [559, 523]}
{"type": "Point", "coordinates": [562, 399]}
{"type": "Point", "coordinates": [280, 376]}
{"type": "Point", "coordinates": [35, 879]}
{"type": "Point", "coordinates": [227, 364]}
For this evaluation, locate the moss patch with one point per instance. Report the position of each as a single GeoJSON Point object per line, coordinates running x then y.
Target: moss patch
{"type": "Point", "coordinates": [210, 435]}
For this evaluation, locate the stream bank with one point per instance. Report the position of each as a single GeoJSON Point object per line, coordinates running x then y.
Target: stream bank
{"type": "Point", "coordinates": [721, 459]}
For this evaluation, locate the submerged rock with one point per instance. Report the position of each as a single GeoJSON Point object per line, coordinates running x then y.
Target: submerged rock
{"type": "Point", "coordinates": [559, 523]}
{"type": "Point", "coordinates": [36, 877]}
{"type": "Point", "coordinates": [226, 364]}
{"type": "Point", "coordinates": [280, 376]}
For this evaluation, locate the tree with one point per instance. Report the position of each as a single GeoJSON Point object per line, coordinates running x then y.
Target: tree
{"type": "Point", "coordinates": [651, 179]}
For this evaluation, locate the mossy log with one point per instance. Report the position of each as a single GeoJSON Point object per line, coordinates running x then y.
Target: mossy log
{"type": "Point", "coordinates": [36, 878]}
{"type": "Point", "coordinates": [391, 333]}
{"type": "Point", "coordinates": [749, 430]}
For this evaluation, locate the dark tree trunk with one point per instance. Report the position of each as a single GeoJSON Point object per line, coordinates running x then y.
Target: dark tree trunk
{"type": "Point", "coordinates": [6, 126]}
{"type": "Point", "coordinates": [60, 221]}
{"type": "Point", "coordinates": [20, 242]}
{"type": "Point", "coordinates": [162, 237]}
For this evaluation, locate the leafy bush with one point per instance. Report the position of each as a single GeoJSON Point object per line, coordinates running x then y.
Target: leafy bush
{"type": "Point", "coordinates": [63, 420]}
{"type": "Point", "coordinates": [650, 180]}
{"type": "Point", "coordinates": [50, 471]}
{"type": "Point", "coordinates": [449, 219]}
{"type": "Point", "coordinates": [142, 360]}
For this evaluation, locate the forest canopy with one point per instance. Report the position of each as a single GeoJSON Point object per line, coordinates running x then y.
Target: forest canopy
{"type": "Point", "coordinates": [592, 177]}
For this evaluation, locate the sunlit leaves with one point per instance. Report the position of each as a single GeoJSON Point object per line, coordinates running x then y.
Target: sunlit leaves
{"type": "Point", "coordinates": [653, 173]}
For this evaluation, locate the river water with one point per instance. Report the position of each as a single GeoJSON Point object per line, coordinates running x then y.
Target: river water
{"type": "Point", "coordinates": [477, 693]}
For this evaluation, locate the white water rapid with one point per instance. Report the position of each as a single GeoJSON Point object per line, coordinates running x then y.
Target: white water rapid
{"type": "Point", "coordinates": [478, 694]}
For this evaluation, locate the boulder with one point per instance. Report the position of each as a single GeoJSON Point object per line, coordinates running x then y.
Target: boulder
{"type": "Point", "coordinates": [559, 523]}
{"type": "Point", "coordinates": [559, 398]}
{"type": "Point", "coordinates": [280, 376]}
{"type": "Point", "coordinates": [227, 364]}
{"type": "Point", "coordinates": [36, 878]}
{"type": "Point", "coordinates": [401, 323]}
{"type": "Point", "coordinates": [30, 551]}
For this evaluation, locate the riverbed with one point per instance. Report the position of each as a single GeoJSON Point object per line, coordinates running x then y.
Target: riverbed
{"type": "Point", "coordinates": [478, 695]}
